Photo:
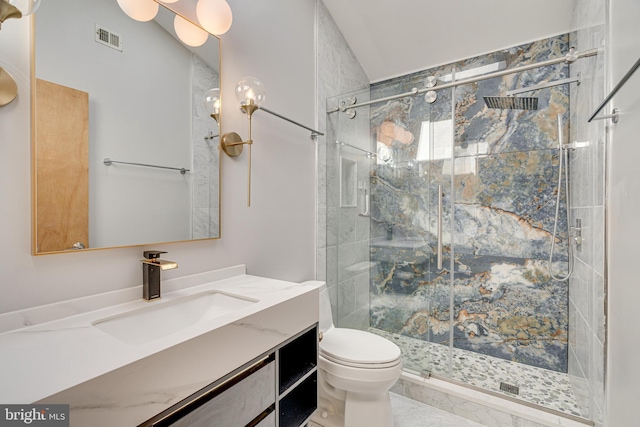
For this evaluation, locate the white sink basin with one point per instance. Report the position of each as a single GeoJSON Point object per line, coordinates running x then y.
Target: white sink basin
{"type": "Point", "coordinates": [162, 318]}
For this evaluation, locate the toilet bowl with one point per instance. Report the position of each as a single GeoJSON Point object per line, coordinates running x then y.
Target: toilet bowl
{"type": "Point", "coordinates": [356, 369]}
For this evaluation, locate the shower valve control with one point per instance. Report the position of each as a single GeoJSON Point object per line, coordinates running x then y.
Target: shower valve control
{"type": "Point", "coordinates": [576, 234]}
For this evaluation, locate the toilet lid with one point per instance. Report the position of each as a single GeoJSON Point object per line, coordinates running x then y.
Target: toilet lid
{"type": "Point", "coordinates": [358, 347]}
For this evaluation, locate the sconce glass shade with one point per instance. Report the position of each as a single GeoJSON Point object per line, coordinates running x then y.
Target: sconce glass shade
{"type": "Point", "coordinates": [169, 1]}
{"type": "Point", "coordinates": [26, 7]}
{"type": "Point", "coordinates": [8, 88]}
{"type": "Point", "coordinates": [215, 16]}
{"type": "Point", "coordinates": [189, 33]}
{"type": "Point", "coordinates": [250, 90]}
{"type": "Point", "coordinates": [140, 10]}
{"type": "Point", "coordinates": [211, 101]}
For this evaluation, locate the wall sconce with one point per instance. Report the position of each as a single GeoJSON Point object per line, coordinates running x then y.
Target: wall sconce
{"type": "Point", "coordinates": [251, 94]}
{"type": "Point", "coordinates": [17, 8]}
{"type": "Point", "coordinates": [12, 9]}
{"type": "Point", "coordinates": [8, 88]}
{"type": "Point", "coordinates": [211, 103]}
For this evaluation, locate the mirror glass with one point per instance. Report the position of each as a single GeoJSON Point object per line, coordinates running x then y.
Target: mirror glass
{"type": "Point", "coordinates": [113, 99]}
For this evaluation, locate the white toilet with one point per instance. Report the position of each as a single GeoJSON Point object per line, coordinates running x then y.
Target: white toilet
{"type": "Point", "coordinates": [356, 369]}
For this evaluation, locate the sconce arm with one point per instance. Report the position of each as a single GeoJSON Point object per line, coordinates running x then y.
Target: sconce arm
{"type": "Point", "coordinates": [233, 144]}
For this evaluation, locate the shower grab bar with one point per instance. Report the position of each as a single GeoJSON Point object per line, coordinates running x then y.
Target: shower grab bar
{"type": "Point", "coordinates": [368, 153]}
{"type": "Point", "coordinates": [615, 90]}
{"type": "Point", "coordinates": [439, 226]}
{"type": "Point", "coordinates": [569, 58]}
{"type": "Point", "coordinates": [314, 133]}
{"type": "Point", "coordinates": [366, 205]}
{"type": "Point", "coordinates": [108, 162]}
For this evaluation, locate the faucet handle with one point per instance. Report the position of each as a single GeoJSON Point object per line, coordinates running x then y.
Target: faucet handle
{"type": "Point", "coordinates": [162, 263]}
{"type": "Point", "coordinates": [153, 254]}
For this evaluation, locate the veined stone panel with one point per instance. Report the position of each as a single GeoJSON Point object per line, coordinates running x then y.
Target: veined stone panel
{"type": "Point", "coordinates": [498, 223]}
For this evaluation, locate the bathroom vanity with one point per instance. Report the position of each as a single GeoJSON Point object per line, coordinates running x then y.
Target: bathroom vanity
{"type": "Point", "coordinates": [276, 389]}
{"type": "Point", "coordinates": [223, 346]}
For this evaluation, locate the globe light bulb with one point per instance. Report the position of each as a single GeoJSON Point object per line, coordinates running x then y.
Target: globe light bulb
{"type": "Point", "coordinates": [140, 10]}
{"type": "Point", "coordinates": [190, 34]}
{"type": "Point", "coordinates": [250, 90]}
{"type": "Point", "coordinates": [215, 16]}
{"type": "Point", "coordinates": [211, 101]}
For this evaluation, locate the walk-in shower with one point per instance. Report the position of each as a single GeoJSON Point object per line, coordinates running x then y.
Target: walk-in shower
{"type": "Point", "coordinates": [478, 183]}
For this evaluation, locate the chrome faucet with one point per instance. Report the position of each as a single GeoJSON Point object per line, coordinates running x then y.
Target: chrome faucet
{"type": "Point", "coordinates": [152, 265]}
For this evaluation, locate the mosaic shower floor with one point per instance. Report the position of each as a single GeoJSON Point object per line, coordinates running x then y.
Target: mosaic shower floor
{"type": "Point", "coordinates": [538, 386]}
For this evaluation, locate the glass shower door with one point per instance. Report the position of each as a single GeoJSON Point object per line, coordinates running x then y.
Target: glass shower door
{"type": "Point", "coordinates": [410, 289]}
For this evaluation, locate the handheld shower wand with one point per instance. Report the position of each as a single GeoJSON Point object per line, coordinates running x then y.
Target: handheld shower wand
{"type": "Point", "coordinates": [563, 153]}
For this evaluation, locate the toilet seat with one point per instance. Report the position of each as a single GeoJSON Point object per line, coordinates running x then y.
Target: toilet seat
{"type": "Point", "coordinates": [359, 349]}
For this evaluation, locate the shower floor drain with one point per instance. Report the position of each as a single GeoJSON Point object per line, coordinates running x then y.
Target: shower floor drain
{"type": "Point", "coordinates": [510, 388]}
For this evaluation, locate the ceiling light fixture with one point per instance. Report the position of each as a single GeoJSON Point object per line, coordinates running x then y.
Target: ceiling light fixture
{"type": "Point", "coordinates": [215, 16]}
{"type": "Point", "coordinates": [140, 10]}
{"type": "Point", "coordinates": [189, 33]}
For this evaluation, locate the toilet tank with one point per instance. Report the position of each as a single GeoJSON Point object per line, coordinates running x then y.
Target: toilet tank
{"type": "Point", "coordinates": [326, 315]}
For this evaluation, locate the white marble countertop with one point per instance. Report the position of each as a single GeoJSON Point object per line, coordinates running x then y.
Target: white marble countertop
{"type": "Point", "coordinates": [61, 349]}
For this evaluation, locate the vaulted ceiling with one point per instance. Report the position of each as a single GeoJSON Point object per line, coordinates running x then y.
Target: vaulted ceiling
{"type": "Point", "coordinates": [396, 37]}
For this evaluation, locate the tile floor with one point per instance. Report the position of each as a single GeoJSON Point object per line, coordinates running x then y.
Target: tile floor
{"type": "Point", "coordinates": [409, 413]}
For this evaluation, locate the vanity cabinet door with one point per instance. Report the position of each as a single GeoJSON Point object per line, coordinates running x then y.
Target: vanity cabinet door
{"type": "Point", "coordinates": [236, 406]}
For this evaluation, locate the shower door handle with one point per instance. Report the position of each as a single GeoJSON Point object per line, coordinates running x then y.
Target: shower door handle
{"type": "Point", "coordinates": [439, 228]}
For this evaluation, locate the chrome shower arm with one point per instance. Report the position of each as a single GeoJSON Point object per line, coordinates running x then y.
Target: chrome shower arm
{"type": "Point", "coordinates": [545, 85]}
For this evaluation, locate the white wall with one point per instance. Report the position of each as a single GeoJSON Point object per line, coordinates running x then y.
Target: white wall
{"type": "Point", "coordinates": [623, 373]}
{"type": "Point", "coordinates": [275, 237]}
{"type": "Point", "coordinates": [394, 38]}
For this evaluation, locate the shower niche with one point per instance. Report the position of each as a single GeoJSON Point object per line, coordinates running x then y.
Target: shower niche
{"type": "Point", "coordinates": [348, 182]}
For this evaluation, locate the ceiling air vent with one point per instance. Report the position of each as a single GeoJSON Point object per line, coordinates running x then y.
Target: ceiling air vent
{"type": "Point", "coordinates": [108, 38]}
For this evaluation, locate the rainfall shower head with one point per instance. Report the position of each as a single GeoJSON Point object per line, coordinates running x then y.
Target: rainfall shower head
{"type": "Point", "coordinates": [512, 102]}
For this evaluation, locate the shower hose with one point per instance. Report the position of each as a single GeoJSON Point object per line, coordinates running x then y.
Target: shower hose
{"type": "Point", "coordinates": [563, 153]}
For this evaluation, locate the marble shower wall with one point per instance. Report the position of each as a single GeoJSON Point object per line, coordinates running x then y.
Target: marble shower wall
{"type": "Point", "coordinates": [205, 222]}
{"type": "Point", "coordinates": [339, 72]}
{"type": "Point", "coordinates": [499, 171]}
